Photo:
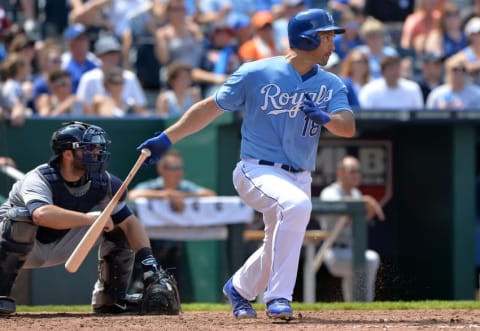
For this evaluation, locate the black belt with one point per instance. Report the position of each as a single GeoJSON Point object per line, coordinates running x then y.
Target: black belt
{"type": "Point", "coordinates": [338, 245]}
{"type": "Point", "coordinates": [283, 166]}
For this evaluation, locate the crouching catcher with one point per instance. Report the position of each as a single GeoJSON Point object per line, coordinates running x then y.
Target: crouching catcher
{"type": "Point", "coordinates": [48, 212]}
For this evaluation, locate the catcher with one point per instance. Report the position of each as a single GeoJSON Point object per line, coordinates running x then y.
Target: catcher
{"type": "Point", "coordinates": [50, 209]}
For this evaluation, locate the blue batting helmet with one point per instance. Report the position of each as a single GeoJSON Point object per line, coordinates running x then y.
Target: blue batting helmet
{"type": "Point", "coordinates": [303, 28]}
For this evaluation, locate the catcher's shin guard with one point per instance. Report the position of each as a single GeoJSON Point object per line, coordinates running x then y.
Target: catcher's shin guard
{"type": "Point", "coordinates": [160, 295]}
{"type": "Point", "coordinates": [16, 241]}
{"type": "Point", "coordinates": [115, 270]}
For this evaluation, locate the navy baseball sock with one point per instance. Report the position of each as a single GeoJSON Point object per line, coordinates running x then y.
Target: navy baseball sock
{"type": "Point", "coordinates": [147, 261]}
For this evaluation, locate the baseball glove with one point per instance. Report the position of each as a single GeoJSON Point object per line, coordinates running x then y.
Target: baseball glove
{"type": "Point", "coordinates": [160, 296]}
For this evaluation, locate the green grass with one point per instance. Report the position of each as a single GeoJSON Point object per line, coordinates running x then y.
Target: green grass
{"type": "Point", "coordinates": [434, 304]}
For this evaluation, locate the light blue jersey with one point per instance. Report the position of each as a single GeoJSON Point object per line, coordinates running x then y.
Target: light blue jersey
{"type": "Point", "coordinates": [270, 93]}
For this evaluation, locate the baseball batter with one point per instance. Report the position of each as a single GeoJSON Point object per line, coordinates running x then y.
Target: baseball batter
{"type": "Point", "coordinates": [49, 210]}
{"type": "Point", "coordinates": [285, 102]}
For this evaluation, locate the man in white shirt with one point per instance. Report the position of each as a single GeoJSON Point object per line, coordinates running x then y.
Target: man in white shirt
{"type": "Point", "coordinates": [107, 49]}
{"type": "Point", "coordinates": [391, 91]}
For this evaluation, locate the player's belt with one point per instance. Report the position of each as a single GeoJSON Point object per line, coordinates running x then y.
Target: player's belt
{"type": "Point", "coordinates": [279, 165]}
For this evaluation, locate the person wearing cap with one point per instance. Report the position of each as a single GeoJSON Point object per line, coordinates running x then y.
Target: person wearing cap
{"type": "Point", "coordinates": [285, 102]}
{"type": "Point", "coordinates": [77, 60]}
{"type": "Point", "coordinates": [458, 92]}
{"type": "Point", "coordinates": [471, 53]}
{"type": "Point", "coordinates": [263, 43]}
{"type": "Point", "coordinates": [107, 49]}
{"type": "Point", "coordinates": [431, 74]}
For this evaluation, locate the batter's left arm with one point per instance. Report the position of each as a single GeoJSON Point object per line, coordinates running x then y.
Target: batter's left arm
{"type": "Point", "coordinates": [342, 124]}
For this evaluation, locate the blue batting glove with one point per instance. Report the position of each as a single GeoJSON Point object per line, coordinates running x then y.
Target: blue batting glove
{"type": "Point", "coordinates": [313, 112]}
{"type": "Point", "coordinates": [157, 145]}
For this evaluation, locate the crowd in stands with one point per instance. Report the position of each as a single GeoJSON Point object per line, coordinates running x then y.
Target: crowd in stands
{"type": "Point", "coordinates": [117, 58]}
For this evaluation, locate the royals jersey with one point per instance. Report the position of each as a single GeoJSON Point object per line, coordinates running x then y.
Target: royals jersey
{"type": "Point", "coordinates": [270, 93]}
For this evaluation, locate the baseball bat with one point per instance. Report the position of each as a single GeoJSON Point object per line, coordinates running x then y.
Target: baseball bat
{"type": "Point", "coordinates": [91, 236]}
{"type": "Point", "coordinates": [12, 172]}
{"type": "Point", "coordinates": [317, 262]}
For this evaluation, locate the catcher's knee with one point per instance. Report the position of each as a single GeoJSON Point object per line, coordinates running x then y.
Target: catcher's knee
{"type": "Point", "coordinates": [17, 231]}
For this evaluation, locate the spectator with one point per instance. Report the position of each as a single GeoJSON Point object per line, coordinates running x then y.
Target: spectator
{"type": "Point", "coordinates": [242, 28]}
{"type": "Point", "coordinates": [49, 60]}
{"type": "Point", "coordinates": [77, 60]}
{"type": "Point", "coordinates": [448, 37]}
{"type": "Point", "coordinates": [471, 53]}
{"type": "Point", "coordinates": [420, 23]}
{"type": "Point", "coordinates": [172, 186]}
{"type": "Point", "coordinates": [220, 57]}
{"type": "Point", "coordinates": [91, 14]}
{"type": "Point", "coordinates": [138, 44]}
{"type": "Point", "coordinates": [373, 32]}
{"type": "Point", "coordinates": [431, 75]}
{"type": "Point", "coordinates": [180, 94]}
{"type": "Point", "coordinates": [338, 258]}
{"type": "Point", "coordinates": [112, 103]}
{"type": "Point", "coordinates": [15, 71]}
{"type": "Point", "coordinates": [55, 13]}
{"type": "Point", "coordinates": [470, 11]}
{"type": "Point", "coordinates": [5, 24]}
{"type": "Point", "coordinates": [211, 11]}
{"type": "Point", "coordinates": [180, 40]}
{"type": "Point", "coordinates": [107, 49]}
{"type": "Point", "coordinates": [60, 101]}
{"type": "Point", "coordinates": [280, 24]}
{"type": "Point", "coordinates": [458, 93]}
{"type": "Point", "coordinates": [355, 73]}
{"type": "Point", "coordinates": [391, 91]}
{"type": "Point", "coordinates": [263, 44]}
{"type": "Point", "coordinates": [170, 183]}
{"type": "Point", "coordinates": [344, 43]}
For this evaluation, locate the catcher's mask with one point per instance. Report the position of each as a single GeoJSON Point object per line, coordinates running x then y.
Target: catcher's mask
{"type": "Point", "coordinates": [92, 140]}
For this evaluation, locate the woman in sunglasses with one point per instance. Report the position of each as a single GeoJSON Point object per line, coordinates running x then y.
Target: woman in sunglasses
{"type": "Point", "coordinates": [458, 92]}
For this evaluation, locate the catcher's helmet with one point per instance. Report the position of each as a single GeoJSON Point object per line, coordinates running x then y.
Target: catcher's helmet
{"type": "Point", "coordinates": [91, 139]}
{"type": "Point", "coordinates": [303, 28]}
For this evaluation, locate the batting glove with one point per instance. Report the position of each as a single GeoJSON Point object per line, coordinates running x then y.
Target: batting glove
{"type": "Point", "coordinates": [157, 145]}
{"type": "Point", "coordinates": [313, 112]}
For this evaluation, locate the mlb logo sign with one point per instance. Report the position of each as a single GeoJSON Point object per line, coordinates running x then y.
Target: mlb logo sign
{"type": "Point", "coordinates": [375, 158]}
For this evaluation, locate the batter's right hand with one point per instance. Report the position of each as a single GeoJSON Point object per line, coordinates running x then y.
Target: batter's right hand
{"type": "Point", "coordinates": [157, 145]}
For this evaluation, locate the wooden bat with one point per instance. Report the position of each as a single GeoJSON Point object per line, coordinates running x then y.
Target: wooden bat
{"type": "Point", "coordinates": [12, 172]}
{"type": "Point", "coordinates": [91, 236]}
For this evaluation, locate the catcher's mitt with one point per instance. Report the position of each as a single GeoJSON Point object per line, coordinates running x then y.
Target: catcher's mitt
{"type": "Point", "coordinates": [160, 296]}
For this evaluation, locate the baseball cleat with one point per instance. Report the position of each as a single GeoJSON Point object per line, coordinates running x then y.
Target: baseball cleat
{"type": "Point", "coordinates": [7, 305]}
{"type": "Point", "coordinates": [242, 308]}
{"type": "Point", "coordinates": [279, 309]}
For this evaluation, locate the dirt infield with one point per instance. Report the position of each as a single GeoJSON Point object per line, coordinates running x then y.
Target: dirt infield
{"type": "Point", "coordinates": [304, 320]}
